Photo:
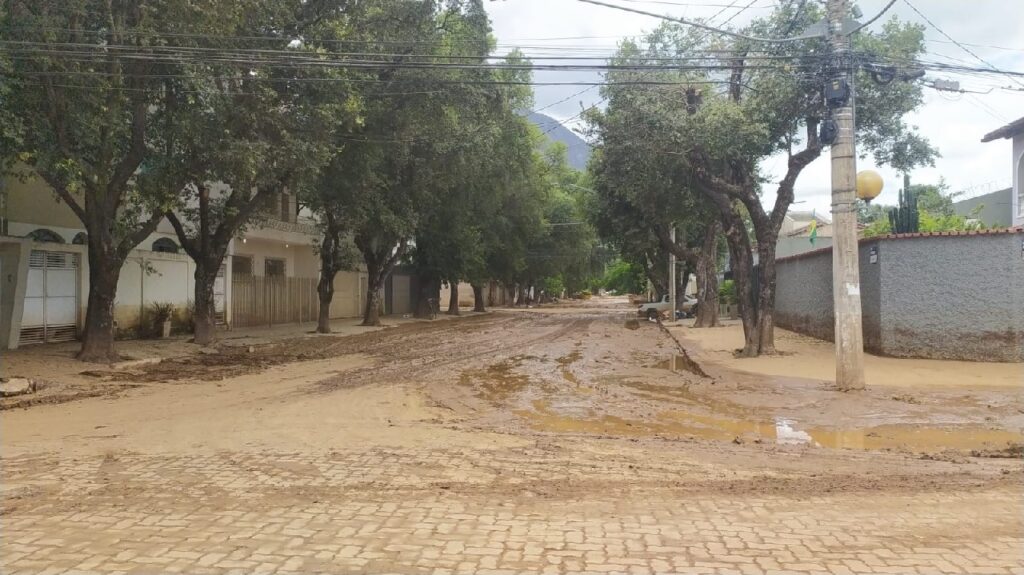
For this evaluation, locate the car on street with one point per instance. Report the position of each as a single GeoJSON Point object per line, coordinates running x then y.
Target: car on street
{"type": "Point", "coordinates": [652, 310]}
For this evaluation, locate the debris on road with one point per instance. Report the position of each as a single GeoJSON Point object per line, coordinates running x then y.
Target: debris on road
{"type": "Point", "coordinates": [17, 386]}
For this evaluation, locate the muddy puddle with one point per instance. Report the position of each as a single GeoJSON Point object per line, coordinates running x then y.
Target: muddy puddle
{"type": "Point", "coordinates": [677, 423]}
{"type": "Point", "coordinates": [562, 395]}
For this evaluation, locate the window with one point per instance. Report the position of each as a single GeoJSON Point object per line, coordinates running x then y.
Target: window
{"type": "Point", "coordinates": [241, 265]}
{"type": "Point", "coordinates": [273, 268]}
{"type": "Point", "coordinates": [165, 245]}
{"type": "Point", "coordinates": [45, 235]}
{"type": "Point", "coordinates": [80, 239]}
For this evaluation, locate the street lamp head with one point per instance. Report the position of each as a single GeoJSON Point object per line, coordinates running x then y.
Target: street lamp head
{"type": "Point", "coordinates": [869, 185]}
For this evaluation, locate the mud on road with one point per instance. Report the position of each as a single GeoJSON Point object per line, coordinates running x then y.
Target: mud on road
{"type": "Point", "coordinates": [551, 439]}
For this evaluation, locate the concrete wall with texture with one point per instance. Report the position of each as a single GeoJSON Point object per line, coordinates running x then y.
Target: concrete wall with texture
{"type": "Point", "coordinates": [933, 296]}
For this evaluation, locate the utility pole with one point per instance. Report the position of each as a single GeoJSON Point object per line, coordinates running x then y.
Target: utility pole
{"type": "Point", "coordinates": [849, 334]}
{"type": "Point", "coordinates": [672, 276]}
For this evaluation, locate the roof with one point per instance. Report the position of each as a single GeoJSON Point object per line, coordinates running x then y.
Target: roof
{"type": "Point", "coordinates": [797, 216]}
{"type": "Point", "coordinates": [1008, 131]}
{"type": "Point", "coordinates": [991, 232]}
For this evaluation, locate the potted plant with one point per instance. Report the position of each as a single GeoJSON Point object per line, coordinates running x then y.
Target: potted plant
{"type": "Point", "coordinates": [161, 314]}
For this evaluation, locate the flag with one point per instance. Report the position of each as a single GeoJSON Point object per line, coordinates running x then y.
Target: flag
{"type": "Point", "coordinates": [813, 228]}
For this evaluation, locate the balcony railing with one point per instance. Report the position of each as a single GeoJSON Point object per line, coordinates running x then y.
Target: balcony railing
{"type": "Point", "coordinates": [276, 224]}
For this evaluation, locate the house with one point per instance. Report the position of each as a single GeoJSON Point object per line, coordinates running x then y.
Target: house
{"type": "Point", "coordinates": [795, 233]}
{"type": "Point", "coordinates": [1014, 131]}
{"type": "Point", "coordinates": [269, 275]}
{"type": "Point", "coordinates": [993, 210]}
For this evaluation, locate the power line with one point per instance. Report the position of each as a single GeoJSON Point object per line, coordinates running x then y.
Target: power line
{"type": "Point", "coordinates": [875, 17]}
{"type": "Point", "coordinates": [695, 24]}
{"type": "Point", "coordinates": [950, 38]}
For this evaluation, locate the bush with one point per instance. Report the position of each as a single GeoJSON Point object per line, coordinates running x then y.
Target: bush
{"type": "Point", "coordinates": [727, 292]}
{"type": "Point", "coordinates": [623, 277]}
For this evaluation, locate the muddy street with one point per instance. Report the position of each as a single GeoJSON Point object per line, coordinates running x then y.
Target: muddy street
{"type": "Point", "coordinates": [557, 440]}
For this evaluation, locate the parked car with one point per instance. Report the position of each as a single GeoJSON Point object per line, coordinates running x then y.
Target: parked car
{"type": "Point", "coordinates": [687, 305]}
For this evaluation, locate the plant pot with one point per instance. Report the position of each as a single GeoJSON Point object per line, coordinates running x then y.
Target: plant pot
{"type": "Point", "coordinates": [165, 331]}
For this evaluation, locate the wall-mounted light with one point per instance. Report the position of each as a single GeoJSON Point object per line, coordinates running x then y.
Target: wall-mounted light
{"type": "Point", "coordinates": [243, 240]}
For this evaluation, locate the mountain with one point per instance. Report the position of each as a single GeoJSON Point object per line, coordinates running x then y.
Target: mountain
{"type": "Point", "coordinates": [579, 150]}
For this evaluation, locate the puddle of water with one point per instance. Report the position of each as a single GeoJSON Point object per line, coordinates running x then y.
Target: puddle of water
{"type": "Point", "coordinates": [497, 382]}
{"type": "Point", "coordinates": [565, 361]}
{"type": "Point", "coordinates": [677, 362]}
{"type": "Point", "coordinates": [780, 430]}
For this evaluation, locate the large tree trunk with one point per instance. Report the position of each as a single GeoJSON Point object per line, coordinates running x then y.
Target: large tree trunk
{"type": "Point", "coordinates": [98, 334]}
{"type": "Point", "coordinates": [478, 298]}
{"type": "Point", "coordinates": [707, 280]}
{"type": "Point", "coordinates": [204, 314]}
{"type": "Point", "coordinates": [427, 297]}
{"type": "Point", "coordinates": [766, 296]}
{"type": "Point", "coordinates": [371, 315]}
{"type": "Point", "coordinates": [520, 296]}
{"type": "Point", "coordinates": [325, 292]}
{"type": "Point", "coordinates": [742, 263]}
{"type": "Point", "coordinates": [453, 298]}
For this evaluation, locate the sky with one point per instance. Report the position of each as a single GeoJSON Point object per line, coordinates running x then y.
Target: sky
{"type": "Point", "coordinates": [954, 123]}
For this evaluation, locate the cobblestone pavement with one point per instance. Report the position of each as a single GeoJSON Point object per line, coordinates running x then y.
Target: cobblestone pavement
{"type": "Point", "coordinates": [443, 511]}
{"type": "Point", "coordinates": [385, 454]}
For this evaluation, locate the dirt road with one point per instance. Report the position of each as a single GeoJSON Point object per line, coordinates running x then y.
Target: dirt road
{"type": "Point", "coordinates": [554, 440]}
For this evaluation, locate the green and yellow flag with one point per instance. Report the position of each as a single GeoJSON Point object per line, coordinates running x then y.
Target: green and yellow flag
{"type": "Point", "coordinates": [813, 227]}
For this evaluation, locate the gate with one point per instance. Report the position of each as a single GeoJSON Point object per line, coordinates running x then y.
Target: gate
{"type": "Point", "coordinates": [51, 298]}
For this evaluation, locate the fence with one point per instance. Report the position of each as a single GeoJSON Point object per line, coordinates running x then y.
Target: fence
{"type": "Point", "coordinates": [952, 295]}
{"type": "Point", "coordinates": [257, 300]}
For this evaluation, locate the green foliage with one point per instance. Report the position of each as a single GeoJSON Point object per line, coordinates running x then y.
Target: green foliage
{"type": "Point", "coordinates": [903, 219]}
{"type": "Point", "coordinates": [930, 206]}
{"type": "Point", "coordinates": [727, 292]}
{"type": "Point", "coordinates": [624, 277]}
{"type": "Point", "coordinates": [553, 286]}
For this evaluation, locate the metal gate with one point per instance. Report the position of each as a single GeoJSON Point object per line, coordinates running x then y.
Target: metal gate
{"type": "Point", "coordinates": [51, 298]}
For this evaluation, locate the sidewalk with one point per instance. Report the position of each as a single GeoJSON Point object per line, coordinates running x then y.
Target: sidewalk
{"type": "Point", "coordinates": [809, 358]}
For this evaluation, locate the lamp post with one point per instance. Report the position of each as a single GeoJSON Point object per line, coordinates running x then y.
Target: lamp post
{"type": "Point", "coordinates": [869, 185]}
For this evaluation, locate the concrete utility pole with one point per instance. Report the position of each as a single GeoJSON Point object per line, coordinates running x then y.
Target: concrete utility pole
{"type": "Point", "coordinates": [845, 265]}
{"type": "Point", "coordinates": [672, 276]}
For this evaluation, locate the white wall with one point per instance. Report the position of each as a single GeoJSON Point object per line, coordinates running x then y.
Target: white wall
{"type": "Point", "coordinates": [152, 277]}
{"type": "Point", "coordinates": [300, 260]}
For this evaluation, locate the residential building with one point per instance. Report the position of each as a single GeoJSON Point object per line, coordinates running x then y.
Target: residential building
{"type": "Point", "coordinates": [269, 275]}
{"type": "Point", "coordinates": [795, 233]}
{"type": "Point", "coordinates": [993, 210]}
{"type": "Point", "coordinates": [1014, 131]}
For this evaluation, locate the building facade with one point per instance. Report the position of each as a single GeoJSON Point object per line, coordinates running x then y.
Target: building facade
{"type": "Point", "coordinates": [1014, 131]}
{"type": "Point", "coordinates": [269, 275]}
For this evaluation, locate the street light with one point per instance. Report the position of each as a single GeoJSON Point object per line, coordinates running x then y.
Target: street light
{"type": "Point", "coordinates": [869, 185]}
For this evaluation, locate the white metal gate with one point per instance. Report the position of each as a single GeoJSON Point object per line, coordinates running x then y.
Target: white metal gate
{"type": "Point", "coordinates": [219, 299]}
{"type": "Point", "coordinates": [51, 298]}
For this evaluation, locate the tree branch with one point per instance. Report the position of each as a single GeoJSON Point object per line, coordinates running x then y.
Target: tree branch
{"type": "Point", "coordinates": [131, 161]}
{"type": "Point", "coordinates": [142, 232]}
{"type": "Point", "coordinates": [189, 244]}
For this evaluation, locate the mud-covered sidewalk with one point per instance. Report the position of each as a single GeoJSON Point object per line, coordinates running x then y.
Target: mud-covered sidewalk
{"type": "Point", "coordinates": [544, 440]}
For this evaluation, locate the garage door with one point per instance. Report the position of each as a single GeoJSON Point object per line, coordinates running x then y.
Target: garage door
{"type": "Point", "coordinates": [51, 298]}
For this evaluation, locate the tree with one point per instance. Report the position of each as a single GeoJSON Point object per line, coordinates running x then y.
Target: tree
{"type": "Point", "coordinates": [624, 277]}
{"type": "Point", "coordinates": [651, 185]}
{"type": "Point", "coordinates": [90, 92]}
{"type": "Point", "coordinates": [769, 102]}
{"type": "Point", "coordinates": [245, 139]}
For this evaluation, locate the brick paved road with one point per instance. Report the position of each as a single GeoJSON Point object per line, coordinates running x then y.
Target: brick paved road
{"type": "Point", "coordinates": [499, 511]}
